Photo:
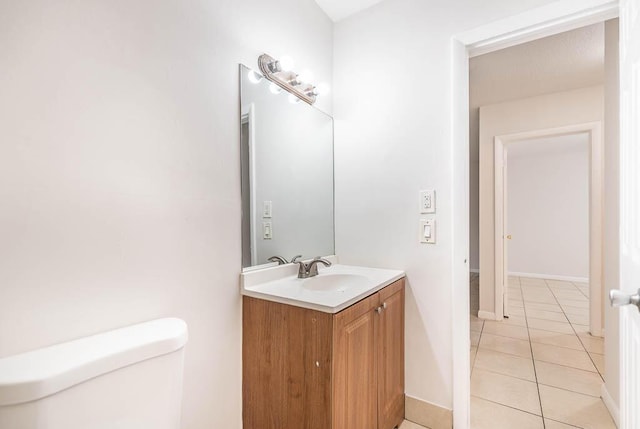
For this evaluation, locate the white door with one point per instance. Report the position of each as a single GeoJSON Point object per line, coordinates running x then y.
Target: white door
{"type": "Point", "coordinates": [629, 214]}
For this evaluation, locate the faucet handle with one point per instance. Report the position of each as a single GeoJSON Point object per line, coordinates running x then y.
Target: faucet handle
{"type": "Point", "coordinates": [313, 265]}
{"type": "Point", "coordinates": [295, 258]}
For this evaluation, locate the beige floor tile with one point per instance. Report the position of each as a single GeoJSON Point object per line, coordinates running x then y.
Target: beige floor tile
{"type": "Point", "coordinates": [581, 329]}
{"type": "Point", "coordinates": [531, 280]}
{"type": "Point", "coordinates": [585, 290]}
{"type": "Point", "coordinates": [410, 425]}
{"type": "Point", "coordinates": [592, 344]}
{"type": "Point", "coordinates": [552, 424]}
{"type": "Point", "coordinates": [582, 303]}
{"type": "Point", "coordinates": [598, 360]}
{"type": "Point", "coordinates": [532, 291]}
{"type": "Point", "coordinates": [514, 302]}
{"type": "Point", "coordinates": [505, 364]}
{"type": "Point", "coordinates": [541, 298]}
{"type": "Point", "coordinates": [569, 294]}
{"type": "Point", "coordinates": [511, 321]}
{"type": "Point", "coordinates": [516, 311]}
{"type": "Point", "coordinates": [506, 330]}
{"type": "Point", "coordinates": [546, 315]}
{"type": "Point", "coordinates": [580, 311]}
{"type": "Point", "coordinates": [550, 325]}
{"type": "Point", "coordinates": [533, 287]}
{"type": "Point", "coordinates": [541, 306]}
{"type": "Point", "coordinates": [578, 319]}
{"type": "Point", "coordinates": [562, 356]}
{"type": "Point", "coordinates": [505, 390]}
{"type": "Point", "coordinates": [555, 339]}
{"type": "Point", "coordinates": [507, 345]}
{"type": "Point", "coordinates": [475, 338]}
{"type": "Point", "coordinates": [576, 380]}
{"type": "Point", "coordinates": [559, 284]}
{"type": "Point", "coordinates": [472, 356]}
{"type": "Point", "coordinates": [489, 415]}
{"type": "Point", "coordinates": [574, 408]}
{"type": "Point", "coordinates": [476, 324]}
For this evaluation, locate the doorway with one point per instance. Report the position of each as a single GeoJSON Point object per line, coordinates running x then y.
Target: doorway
{"type": "Point", "coordinates": [540, 366]}
{"type": "Point", "coordinates": [509, 32]}
{"type": "Point", "coordinates": [561, 247]}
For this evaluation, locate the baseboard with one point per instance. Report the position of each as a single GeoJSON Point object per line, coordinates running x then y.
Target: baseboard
{"type": "Point", "coordinates": [613, 408]}
{"type": "Point", "coordinates": [486, 315]}
{"type": "Point", "coordinates": [426, 414]}
{"type": "Point", "coordinates": [597, 333]}
{"type": "Point", "coordinates": [551, 277]}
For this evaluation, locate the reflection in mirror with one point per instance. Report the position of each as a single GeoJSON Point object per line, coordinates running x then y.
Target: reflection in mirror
{"type": "Point", "coordinates": [287, 174]}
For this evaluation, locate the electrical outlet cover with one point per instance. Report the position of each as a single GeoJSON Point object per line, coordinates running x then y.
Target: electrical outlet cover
{"type": "Point", "coordinates": [427, 201]}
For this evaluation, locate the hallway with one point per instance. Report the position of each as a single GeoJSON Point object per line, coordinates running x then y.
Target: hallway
{"type": "Point", "coordinates": [540, 368]}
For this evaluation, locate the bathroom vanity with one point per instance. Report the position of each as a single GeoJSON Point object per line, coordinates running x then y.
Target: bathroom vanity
{"type": "Point", "coordinates": [309, 366]}
{"type": "Point", "coordinates": [323, 347]}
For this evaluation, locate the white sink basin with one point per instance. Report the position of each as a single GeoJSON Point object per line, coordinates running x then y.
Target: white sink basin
{"type": "Point", "coordinates": [332, 290]}
{"type": "Point", "coordinates": [334, 282]}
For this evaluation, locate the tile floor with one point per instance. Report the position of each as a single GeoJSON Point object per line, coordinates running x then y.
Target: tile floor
{"type": "Point", "coordinates": [540, 368]}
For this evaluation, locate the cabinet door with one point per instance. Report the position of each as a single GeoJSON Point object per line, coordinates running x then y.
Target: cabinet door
{"type": "Point", "coordinates": [354, 366]}
{"type": "Point", "coordinates": [286, 366]}
{"type": "Point", "coordinates": [390, 352]}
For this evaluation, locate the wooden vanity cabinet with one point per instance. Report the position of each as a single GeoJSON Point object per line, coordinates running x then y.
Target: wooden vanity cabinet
{"type": "Point", "coordinates": [306, 369]}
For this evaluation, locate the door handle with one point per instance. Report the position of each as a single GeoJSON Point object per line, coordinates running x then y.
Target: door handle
{"type": "Point", "coordinates": [509, 237]}
{"type": "Point", "coordinates": [619, 298]}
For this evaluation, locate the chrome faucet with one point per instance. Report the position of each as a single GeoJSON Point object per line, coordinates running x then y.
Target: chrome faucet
{"type": "Point", "coordinates": [281, 261]}
{"type": "Point", "coordinates": [306, 270]}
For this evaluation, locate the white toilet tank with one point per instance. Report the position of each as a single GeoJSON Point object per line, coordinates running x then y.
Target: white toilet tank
{"type": "Point", "coordinates": [129, 378]}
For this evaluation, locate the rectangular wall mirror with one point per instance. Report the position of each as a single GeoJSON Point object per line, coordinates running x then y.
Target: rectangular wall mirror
{"type": "Point", "coordinates": [287, 174]}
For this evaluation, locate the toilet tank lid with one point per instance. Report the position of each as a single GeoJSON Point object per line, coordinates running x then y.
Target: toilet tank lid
{"type": "Point", "coordinates": [43, 372]}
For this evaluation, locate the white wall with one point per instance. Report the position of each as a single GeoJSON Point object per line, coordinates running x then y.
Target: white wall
{"type": "Point", "coordinates": [562, 62]}
{"type": "Point", "coordinates": [119, 171]}
{"type": "Point", "coordinates": [535, 113]}
{"type": "Point", "coordinates": [548, 206]}
{"type": "Point", "coordinates": [393, 111]}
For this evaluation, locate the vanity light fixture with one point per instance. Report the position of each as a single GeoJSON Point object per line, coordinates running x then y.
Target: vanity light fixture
{"type": "Point", "coordinates": [279, 72]}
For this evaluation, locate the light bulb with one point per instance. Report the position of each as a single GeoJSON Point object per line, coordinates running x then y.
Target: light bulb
{"type": "Point", "coordinates": [322, 88]}
{"type": "Point", "coordinates": [254, 77]}
{"type": "Point", "coordinates": [286, 63]}
{"type": "Point", "coordinates": [306, 76]}
{"type": "Point", "coordinates": [293, 99]}
{"type": "Point", "coordinates": [275, 89]}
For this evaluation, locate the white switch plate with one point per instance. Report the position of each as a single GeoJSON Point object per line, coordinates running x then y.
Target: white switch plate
{"type": "Point", "coordinates": [267, 231]}
{"type": "Point", "coordinates": [266, 209]}
{"type": "Point", "coordinates": [427, 232]}
{"type": "Point", "coordinates": [427, 201]}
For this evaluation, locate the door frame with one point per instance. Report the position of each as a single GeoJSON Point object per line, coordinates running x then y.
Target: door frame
{"type": "Point", "coordinates": [596, 209]}
{"type": "Point", "coordinates": [553, 18]}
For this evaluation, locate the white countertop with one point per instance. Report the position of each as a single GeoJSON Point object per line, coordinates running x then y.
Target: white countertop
{"type": "Point", "coordinates": [281, 284]}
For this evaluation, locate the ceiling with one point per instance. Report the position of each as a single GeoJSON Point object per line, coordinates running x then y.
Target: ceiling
{"type": "Point", "coordinates": [565, 61]}
{"type": "Point", "coordinates": [340, 9]}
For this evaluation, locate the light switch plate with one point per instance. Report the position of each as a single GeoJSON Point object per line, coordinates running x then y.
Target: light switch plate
{"type": "Point", "coordinates": [427, 201]}
{"type": "Point", "coordinates": [267, 231]}
{"type": "Point", "coordinates": [427, 231]}
{"type": "Point", "coordinates": [266, 209]}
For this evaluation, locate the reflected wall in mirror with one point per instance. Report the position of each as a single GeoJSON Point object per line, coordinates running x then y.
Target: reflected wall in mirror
{"type": "Point", "coordinates": [287, 174]}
